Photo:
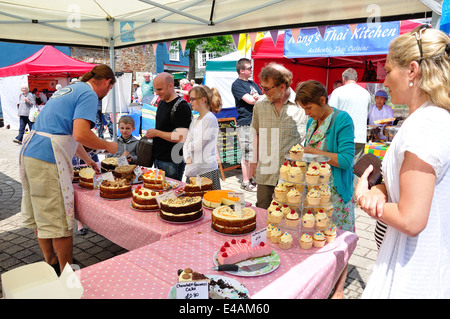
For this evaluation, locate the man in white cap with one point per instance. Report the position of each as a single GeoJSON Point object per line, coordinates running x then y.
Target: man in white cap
{"type": "Point", "coordinates": [137, 92]}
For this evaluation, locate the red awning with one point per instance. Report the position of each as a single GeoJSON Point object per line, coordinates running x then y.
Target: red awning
{"type": "Point", "coordinates": [48, 61]}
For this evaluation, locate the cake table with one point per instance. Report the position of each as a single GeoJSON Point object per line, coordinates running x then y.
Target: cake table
{"type": "Point", "coordinates": [151, 271]}
{"type": "Point", "coordinates": [117, 221]}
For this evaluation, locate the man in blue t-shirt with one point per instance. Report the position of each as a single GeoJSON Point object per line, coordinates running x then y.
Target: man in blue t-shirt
{"type": "Point", "coordinates": [62, 128]}
{"type": "Point", "coordinates": [246, 93]}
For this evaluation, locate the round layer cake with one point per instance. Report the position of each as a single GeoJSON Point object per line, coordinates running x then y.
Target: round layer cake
{"type": "Point", "coordinates": [181, 209]}
{"type": "Point", "coordinates": [144, 199]}
{"type": "Point", "coordinates": [195, 189]}
{"type": "Point", "coordinates": [154, 179]}
{"type": "Point", "coordinates": [115, 190]}
{"type": "Point", "coordinates": [227, 221]}
{"type": "Point", "coordinates": [125, 171]}
{"type": "Point", "coordinates": [86, 177]}
{"type": "Point", "coordinates": [109, 164]}
{"type": "Point", "coordinates": [213, 199]}
{"type": "Point", "coordinates": [76, 172]}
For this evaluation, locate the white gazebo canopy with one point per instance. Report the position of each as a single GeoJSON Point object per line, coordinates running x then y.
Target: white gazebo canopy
{"type": "Point", "coordinates": [122, 23]}
{"type": "Point", "coordinates": [98, 23]}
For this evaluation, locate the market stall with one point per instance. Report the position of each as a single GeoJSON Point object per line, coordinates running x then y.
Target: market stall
{"type": "Point", "coordinates": [159, 247]}
{"type": "Point", "coordinates": [322, 53]}
{"type": "Point", "coordinates": [151, 271]}
{"type": "Point", "coordinates": [120, 223]}
{"type": "Point", "coordinates": [47, 64]}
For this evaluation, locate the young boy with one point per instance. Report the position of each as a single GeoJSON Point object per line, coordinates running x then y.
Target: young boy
{"type": "Point", "coordinates": [127, 143]}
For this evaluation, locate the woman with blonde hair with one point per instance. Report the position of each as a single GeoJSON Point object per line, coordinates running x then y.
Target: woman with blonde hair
{"type": "Point", "coordinates": [199, 149]}
{"type": "Point", "coordinates": [412, 203]}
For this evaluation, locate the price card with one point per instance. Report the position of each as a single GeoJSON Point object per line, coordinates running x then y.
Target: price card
{"type": "Point", "coordinates": [165, 196]}
{"type": "Point", "coordinates": [258, 237]}
{"type": "Point", "coordinates": [108, 176]}
{"type": "Point", "coordinates": [198, 180]}
{"type": "Point", "coordinates": [239, 195]}
{"type": "Point", "coordinates": [122, 161]}
{"type": "Point", "coordinates": [137, 171]}
{"type": "Point", "coordinates": [192, 290]}
{"type": "Point", "coordinates": [240, 203]}
{"type": "Point", "coordinates": [97, 181]}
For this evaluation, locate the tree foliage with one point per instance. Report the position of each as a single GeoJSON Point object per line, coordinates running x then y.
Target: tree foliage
{"type": "Point", "coordinates": [220, 44]}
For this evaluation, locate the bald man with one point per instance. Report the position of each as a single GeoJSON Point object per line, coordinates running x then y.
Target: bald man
{"type": "Point", "coordinates": [170, 131]}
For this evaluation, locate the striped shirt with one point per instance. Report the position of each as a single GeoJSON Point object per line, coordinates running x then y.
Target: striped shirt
{"type": "Point", "coordinates": [277, 134]}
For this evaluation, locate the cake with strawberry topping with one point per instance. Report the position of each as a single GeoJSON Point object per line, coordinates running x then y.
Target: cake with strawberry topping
{"type": "Point", "coordinates": [145, 199]}
{"type": "Point", "coordinates": [239, 250]}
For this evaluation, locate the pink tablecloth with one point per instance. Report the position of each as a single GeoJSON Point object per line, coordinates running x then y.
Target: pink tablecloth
{"type": "Point", "coordinates": [151, 271]}
{"type": "Point", "coordinates": [120, 223]}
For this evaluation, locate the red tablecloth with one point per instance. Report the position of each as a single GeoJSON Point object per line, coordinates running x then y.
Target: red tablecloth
{"type": "Point", "coordinates": [120, 223]}
{"type": "Point", "coordinates": [151, 271]}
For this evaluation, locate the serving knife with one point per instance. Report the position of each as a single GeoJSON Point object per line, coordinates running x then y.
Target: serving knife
{"type": "Point", "coordinates": [233, 267]}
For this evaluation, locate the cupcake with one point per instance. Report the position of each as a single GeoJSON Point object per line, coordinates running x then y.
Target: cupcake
{"type": "Point", "coordinates": [292, 219]}
{"type": "Point", "coordinates": [308, 219]}
{"type": "Point", "coordinates": [294, 197]}
{"type": "Point", "coordinates": [324, 173]}
{"type": "Point", "coordinates": [275, 235]}
{"type": "Point", "coordinates": [325, 194]}
{"type": "Point", "coordinates": [313, 197]}
{"type": "Point", "coordinates": [276, 216]}
{"type": "Point", "coordinates": [285, 241]}
{"type": "Point", "coordinates": [296, 152]}
{"type": "Point", "coordinates": [285, 209]}
{"type": "Point", "coordinates": [306, 241]}
{"type": "Point", "coordinates": [318, 239]}
{"type": "Point", "coordinates": [269, 230]}
{"type": "Point", "coordinates": [312, 174]}
{"type": "Point", "coordinates": [321, 220]}
{"type": "Point", "coordinates": [302, 166]}
{"type": "Point", "coordinates": [330, 234]}
{"type": "Point", "coordinates": [295, 174]}
{"type": "Point", "coordinates": [284, 170]}
{"type": "Point", "coordinates": [328, 209]}
{"type": "Point", "coordinates": [281, 193]}
{"type": "Point", "coordinates": [273, 205]}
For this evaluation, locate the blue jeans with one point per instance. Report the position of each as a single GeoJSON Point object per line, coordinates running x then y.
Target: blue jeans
{"type": "Point", "coordinates": [24, 121]}
{"type": "Point", "coordinates": [99, 122]}
{"type": "Point", "coordinates": [172, 170]}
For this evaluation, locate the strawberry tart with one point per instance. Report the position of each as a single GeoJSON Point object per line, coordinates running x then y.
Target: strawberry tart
{"type": "Point", "coordinates": [239, 250]}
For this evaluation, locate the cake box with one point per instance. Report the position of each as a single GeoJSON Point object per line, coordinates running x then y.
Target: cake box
{"type": "Point", "coordinates": [40, 281]}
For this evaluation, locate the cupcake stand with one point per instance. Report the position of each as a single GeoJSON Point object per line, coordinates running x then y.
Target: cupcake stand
{"type": "Point", "coordinates": [323, 205]}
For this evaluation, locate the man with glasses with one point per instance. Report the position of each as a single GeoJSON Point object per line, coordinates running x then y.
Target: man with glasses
{"type": "Point", "coordinates": [246, 93]}
{"type": "Point", "coordinates": [278, 124]}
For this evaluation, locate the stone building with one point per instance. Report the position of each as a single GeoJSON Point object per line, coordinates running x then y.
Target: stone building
{"type": "Point", "coordinates": [132, 59]}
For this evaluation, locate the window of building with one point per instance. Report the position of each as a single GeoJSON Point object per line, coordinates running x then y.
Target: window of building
{"type": "Point", "coordinates": [203, 56]}
{"type": "Point", "coordinates": [174, 52]}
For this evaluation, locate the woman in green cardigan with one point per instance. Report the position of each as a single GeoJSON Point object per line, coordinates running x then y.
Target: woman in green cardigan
{"type": "Point", "coordinates": [330, 133]}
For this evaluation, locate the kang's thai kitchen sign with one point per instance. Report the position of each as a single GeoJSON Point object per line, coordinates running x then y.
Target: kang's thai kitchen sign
{"type": "Point", "coordinates": [341, 40]}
